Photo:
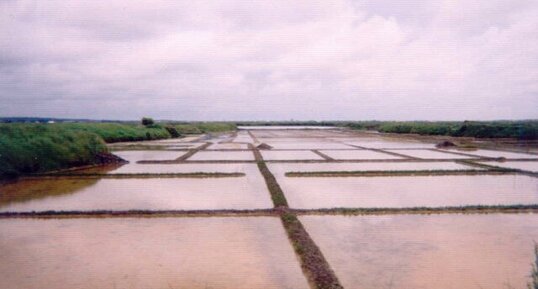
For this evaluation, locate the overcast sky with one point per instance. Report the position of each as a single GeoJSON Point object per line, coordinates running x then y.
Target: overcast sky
{"type": "Point", "coordinates": [272, 60]}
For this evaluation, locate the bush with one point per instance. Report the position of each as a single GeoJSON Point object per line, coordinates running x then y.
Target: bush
{"type": "Point", "coordinates": [147, 121]}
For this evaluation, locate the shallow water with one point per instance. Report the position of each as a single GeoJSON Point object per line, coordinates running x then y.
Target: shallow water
{"type": "Point", "coordinates": [358, 155]}
{"type": "Point", "coordinates": [409, 191]}
{"type": "Point", "coordinates": [179, 168]}
{"type": "Point", "coordinates": [149, 253]}
{"type": "Point", "coordinates": [149, 155]}
{"type": "Point", "coordinates": [527, 166]}
{"type": "Point", "coordinates": [222, 156]}
{"type": "Point", "coordinates": [248, 192]}
{"type": "Point", "coordinates": [388, 143]}
{"type": "Point", "coordinates": [281, 169]}
{"type": "Point", "coordinates": [290, 155]}
{"type": "Point", "coordinates": [497, 154]}
{"type": "Point", "coordinates": [427, 251]}
{"type": "Point", "coordinates": [307, 145]}
{"type": "Point", "coordinates": [229, 145]}
{"type": "Point", "coordinates": [429, 154]}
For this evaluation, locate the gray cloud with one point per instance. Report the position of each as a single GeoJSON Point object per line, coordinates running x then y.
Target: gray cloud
{"type": "Point", "coordinates": [216, 60]}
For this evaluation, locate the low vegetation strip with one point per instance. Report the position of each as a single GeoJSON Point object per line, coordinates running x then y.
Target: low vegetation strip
{"type": "Point", "coordinates": [313, 262]}
{"type": "Point", "coordinates": [279, 200]}
{"type": "Point", "coordinates": [137, 175]}
{"type": "Point", "coordinates": [191, 152]}
{"type": "Point", "coordinates": [476, 209]}
{"type": "Point", "coordinates": [399, 173]}
{"type": "Point", "coordinates": [324, 156]}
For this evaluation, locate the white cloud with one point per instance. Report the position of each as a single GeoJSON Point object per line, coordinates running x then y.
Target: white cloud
{"type": "Point", "coordinates": [270, 59]}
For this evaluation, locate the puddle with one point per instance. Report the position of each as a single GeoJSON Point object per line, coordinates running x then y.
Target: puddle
{"type": "Point", "coordinates": [155, 155]}
{"type": "Point", "coordinates": [492, 251]}
{"type": "Point", "coordinates": [222, 156]}
{"type": "Point", "coordinates": [248, 192]}
{"type": "Point", "coordinates": [358, 155]}
{"type": "Point", "coordinates": [290, 155]}
{"type": "Point", "coordinates": [149, 253]}
{"type": "Point", "coordinates": [429, 154]}
{"type": "Point", "coordinates": [281, 169]}
{"type": "Point", "coordinates": [527, 166]}
{"type": "Point", "coordinates": [405, 191]}
{"type": "Point", "coordinates": [497, 154]}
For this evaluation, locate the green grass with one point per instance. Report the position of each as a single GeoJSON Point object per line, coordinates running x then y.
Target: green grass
{"type": "Point", "coordinates": [29, 148]}
{"type": "Point", "coordinates": [119, 132]}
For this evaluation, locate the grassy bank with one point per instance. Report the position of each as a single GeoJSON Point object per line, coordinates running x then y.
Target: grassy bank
{"type": "Point", "coordinates": [523, 130]}
{"type": "Point", "coordinates": [33, 148]}
{"type": "Point", "coordinates": [29, 148]}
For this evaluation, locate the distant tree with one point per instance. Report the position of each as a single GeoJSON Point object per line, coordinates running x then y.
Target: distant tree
{"type": "Point", "coordinates": [147, 121]}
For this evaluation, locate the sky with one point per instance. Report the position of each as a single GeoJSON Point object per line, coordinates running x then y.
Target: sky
{"type": "Point", "coordinates": [270, 60]}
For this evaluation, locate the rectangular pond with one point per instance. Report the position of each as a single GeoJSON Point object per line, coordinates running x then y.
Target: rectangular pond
{"type": "Point", "coordinates": [222, 156]}
{"type": "Point", "coordinates": [409, 191]}
{"type": "Point", "coordinates": [174, 168]}
{"type": "Point", "coordinates": [526, 166]}
{"type": "Point", "coordinates": [358, 154]}
{"type": "Point", "coordinates": [147, 253]}
{"type": "Point", "coordinates": [493, 251]}
{"type": "Point", "coordinates": [290, 155]}
{"type": "Point", "coordinates": [89, 194]}
{"type": "Point", "coordinates": [429, 154]}
{"type": "Point", "coordinates": [497, 154]}
{"type": "Point", "coordinates": [387, 143]}
{"type": "Point", "coordinates": [307, 145]}
{"type": "Point", "coordinates": [148, 155]}
{"type": "Point", "coordinates": [281, 169]}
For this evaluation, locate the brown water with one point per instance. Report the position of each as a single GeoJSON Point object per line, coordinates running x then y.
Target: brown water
{"type": "Point", "coordinates": [409, 191]}
{"type": "Point", "coordinates": [428, 154]}
{"type": "Point", "coordinates": [358, 155]}
{"type": "Point", "coordinates": [247, 192]}
{"type": "Point", "coordinates": [281, 169]}
{"type": "Point", "coordinates": [290, 155]}
{"type": "Point", "coordinates": [148, 253]}
{"type": "Point", "coordinates": [427, 251]}
{"type": "Point", "coordinates": [222, 156]}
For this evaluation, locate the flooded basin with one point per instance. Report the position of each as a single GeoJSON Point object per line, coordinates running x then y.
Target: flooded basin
{"type": "Point", "coordinates": [281, 169]}
{"type": "Point", "coordinates": [409, 191]}
{"type": "Point", "coordinates": [526, 166]}
{"type": "Point", "coordinates": [222, 156]}
{"type": "Point", "coordinates": [290, 155]}
{"type": "Point", "coordinates": [178, 168]}
{"type": "Point", "coordinates": [492, 251]}
{"type": "Point", "coordinates": [429, 154]}
{"type": "Point", "coordinates": [497, 154]}
{"type": "Point", "coordinates": [87, 194]}
{"type": "Point", "coordinates": [148, 155]}
{"type": "Point", "coordinates": [308, 145]}
{"type": "Point", "coordinates": [387, 143]}
{"type": "Point", "coordinates": [147, 253]}
{"type": "Point", "coordinates": [227, 146]}
{"type": "Point", "coordinates": [358, 155]}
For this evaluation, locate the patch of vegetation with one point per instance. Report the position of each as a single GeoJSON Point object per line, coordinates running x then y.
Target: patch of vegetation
{"type": "Point", "coordinates": [119, 132]}
{"type": "Point", "coordinates": [30, 148]}
{"type": "Point", "coordinates": [523, 130]}
{"type": "Point", "coordinates": [316, 268]}
{"type": "Point", "coordinates": [279, 200]}
{"type": "Point", "coordinates": [202, 127]}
